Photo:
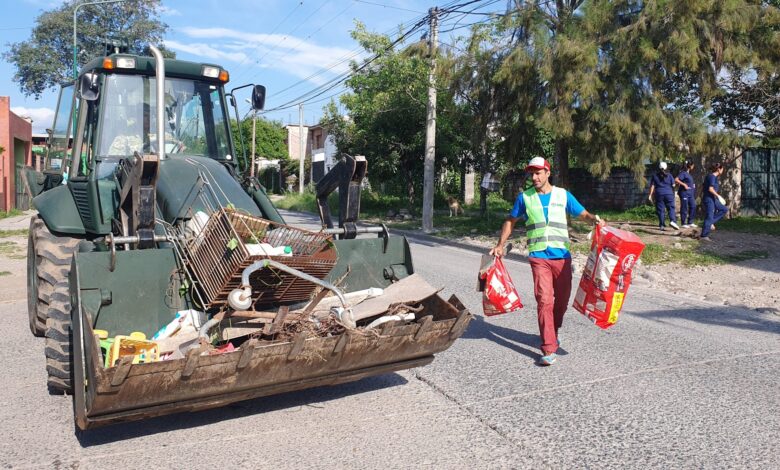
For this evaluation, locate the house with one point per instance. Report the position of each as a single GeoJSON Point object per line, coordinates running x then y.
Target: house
{"type": "Point", "coordinates": [16, 141]}
{"type": "Point", "coordinates": [319, 149]}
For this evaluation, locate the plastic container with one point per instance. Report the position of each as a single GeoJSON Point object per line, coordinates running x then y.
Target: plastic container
{"type": "Point", "coordinates": [142, 350]}
{"type": "Point", "coordinates": [266, 249]}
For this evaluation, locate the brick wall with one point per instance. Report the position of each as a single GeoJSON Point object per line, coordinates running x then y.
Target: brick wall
{"type": "Point", "coordinates": [619, 191]}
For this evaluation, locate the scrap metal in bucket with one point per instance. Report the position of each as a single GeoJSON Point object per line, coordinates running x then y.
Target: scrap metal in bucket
{"type": "Point", "coordinates": [218, 255]}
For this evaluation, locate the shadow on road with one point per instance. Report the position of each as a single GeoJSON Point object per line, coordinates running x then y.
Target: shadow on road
{"type": "Point", "coordinates": [507, 337]}
{"type": "Point", "coordinates": [730, 317]}
{"type": "Point", "coordinates": [289, 402]}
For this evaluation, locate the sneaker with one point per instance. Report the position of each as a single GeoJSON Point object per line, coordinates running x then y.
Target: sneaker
{"type": "Point", "coordinates": [686, 226]}
{"type": "Point", "coordinates": [548, 360]}
{"type": "Point", "coordinates": [692, 225]}
{"type": "Point", "coordinates": [674, 225]}
{"type": "Point", "coordinates": [663, 229]}
{"type": "Point", "coordinates": [705, 239]}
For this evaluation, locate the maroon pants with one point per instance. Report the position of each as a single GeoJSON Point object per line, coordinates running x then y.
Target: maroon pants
{"type": "Point", "coordinates": [552, 288]}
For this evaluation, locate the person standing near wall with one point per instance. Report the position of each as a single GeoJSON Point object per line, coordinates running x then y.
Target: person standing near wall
{"type": "Point", "coordinates": [544, 208]}
{"type": "Point", "coordinates": [714, 204]}
{"type": "Point", "coordinates": [662, 186]}
{"type": "Point", "coordinates": [687, 193]}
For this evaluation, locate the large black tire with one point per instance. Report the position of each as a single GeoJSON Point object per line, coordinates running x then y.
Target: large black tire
{"type": "Point", "coordinates": [58, 346]}
{"type": "Point", "coordinates": [48, 263]}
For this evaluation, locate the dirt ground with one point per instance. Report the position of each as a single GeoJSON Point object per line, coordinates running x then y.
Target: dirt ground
{"type": "Point", "coordinates": [752, 283]}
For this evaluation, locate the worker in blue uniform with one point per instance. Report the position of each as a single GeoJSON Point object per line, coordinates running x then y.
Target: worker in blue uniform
{"type": "Point", "coordinates": [687, 192]}
{"type": "Point", "coordinates": [662, 186]}
{"type": "Point", "coordinates": [713, 202]}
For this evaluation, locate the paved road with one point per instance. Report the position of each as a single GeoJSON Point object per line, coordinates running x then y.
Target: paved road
{"type": "Point", "coordinates": [674, 384]}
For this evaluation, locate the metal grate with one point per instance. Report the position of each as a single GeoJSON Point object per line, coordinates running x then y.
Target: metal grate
{"type": "Point", "coordinates": [217, 256]}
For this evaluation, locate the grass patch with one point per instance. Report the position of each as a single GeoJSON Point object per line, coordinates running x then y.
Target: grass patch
{"type": "Point", "coordinates": [765, 225]}
{"type": "Point", "coordinates": [12, 250]}
{"type": "Point", "coordinates": [11, 213]}
{"type": "Point", "coordinates": [643, 213]}
{"type": "Point", "coordinates": [13, 233]}
{"type": "Point", "coordinates": [5, 273]}
{"type": "Point", "coordinates": [691, 255]}
{"type": "Point", "coordinates": [454, 227]}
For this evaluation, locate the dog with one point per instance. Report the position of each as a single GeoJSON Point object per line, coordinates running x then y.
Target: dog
{"type": "Point", "coordinates": [454, 206]}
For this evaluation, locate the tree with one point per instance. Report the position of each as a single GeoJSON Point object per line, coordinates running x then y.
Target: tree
{"type": "Point", "coordinates": [619, 83]}
{"type": "Point", "coordinates": [269, 141]}
{"type": "Point", "coordinates": [45, 61]}
{"type": "Point", "coordinates": [387, 113]}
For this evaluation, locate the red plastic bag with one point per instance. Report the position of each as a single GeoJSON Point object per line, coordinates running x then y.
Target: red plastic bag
{"type": "Point", "coordinates": [607, 275]}
{"type": "Point", "coordinates": [499, 294]}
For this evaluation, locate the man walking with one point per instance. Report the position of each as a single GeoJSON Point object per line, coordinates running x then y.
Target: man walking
{"type": "Point", "coordinates": [544, 208]}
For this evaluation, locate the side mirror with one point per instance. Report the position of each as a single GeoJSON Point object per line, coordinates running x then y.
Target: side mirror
{"type": "Point", "coordinates": [88, 86]}
{"type": "Point", "coordinates": [232, 100]}
{"type": "Point", "coordinates": [258, 97]}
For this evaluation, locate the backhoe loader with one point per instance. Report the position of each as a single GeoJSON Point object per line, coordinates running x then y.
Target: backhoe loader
{"type": "Point", "coordinates": [147, 217]}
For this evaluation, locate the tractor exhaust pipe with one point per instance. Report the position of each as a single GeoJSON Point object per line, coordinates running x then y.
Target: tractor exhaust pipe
{"type": "Point", "coordinates": [160, 75]}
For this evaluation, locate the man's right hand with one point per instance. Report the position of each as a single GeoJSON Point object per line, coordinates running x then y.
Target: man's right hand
{"type": "Point", "coordinates": [650, 198]}
{"type": "Point", "coordinates": [497, 251]}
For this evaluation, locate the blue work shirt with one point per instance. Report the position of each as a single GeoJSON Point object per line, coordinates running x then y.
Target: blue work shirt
{"type": "Point", "coordinates": [664, 183]}
{"type": "Point", "coordinates": [686, 178]}
{"type": "Point", "coordinates": [710, 181]}
{"type": "Point", "coordinates": [573, 208]}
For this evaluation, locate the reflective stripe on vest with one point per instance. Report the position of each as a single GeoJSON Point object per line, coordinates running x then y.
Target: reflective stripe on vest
{"type": "Point", "coordinates": [550, 233]}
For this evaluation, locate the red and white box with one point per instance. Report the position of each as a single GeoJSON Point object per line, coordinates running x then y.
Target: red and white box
{"type": "Point", "coordinates": [607, 275]}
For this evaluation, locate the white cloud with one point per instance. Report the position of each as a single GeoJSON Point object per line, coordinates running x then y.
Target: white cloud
{"type": "Point", "coordinates": [205, 51]}
{"type": "Point", "coordinates": [251, 51]}
{"type": "Point", "coordinates": [41, 117]}
{"type": "Point", "coordinates": [168, 11]}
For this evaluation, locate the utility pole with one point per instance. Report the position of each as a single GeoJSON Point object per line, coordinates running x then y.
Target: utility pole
{"type": "Point", "coordinates": [302, 149]}
{"type": "Point", "coordinates": [430, 130]}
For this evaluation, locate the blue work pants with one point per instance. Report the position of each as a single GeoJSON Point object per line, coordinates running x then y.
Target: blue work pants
{"type": "Point", "coordinates": [714, 211]}
{"type": "Point", "coordinates": [667, 201]}
{"type": "Point", "coordinates": [687, 208]}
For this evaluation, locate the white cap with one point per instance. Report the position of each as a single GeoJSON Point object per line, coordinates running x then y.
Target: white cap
{"type": "Point", "coordinates": [662, 165]}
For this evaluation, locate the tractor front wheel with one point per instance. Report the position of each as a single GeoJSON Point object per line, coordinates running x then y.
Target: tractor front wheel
{"type": "Point", "coordinates": [58, 347]}
{"type": "Point", "coordinates": [48, 263]}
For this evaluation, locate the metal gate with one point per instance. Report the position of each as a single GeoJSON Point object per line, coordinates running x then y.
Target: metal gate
{"type": "Point", "coordinates": [761, 182]}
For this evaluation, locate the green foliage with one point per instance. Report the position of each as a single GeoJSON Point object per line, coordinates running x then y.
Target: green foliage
{"type": "Point", "coordinates": [5, 273]}
{"type": "Point", "coordinates": [46, 59]}
{"type": "Point", "coordinates": [387, 116]}
{"type": "Point", "coordinates": [270, 139]}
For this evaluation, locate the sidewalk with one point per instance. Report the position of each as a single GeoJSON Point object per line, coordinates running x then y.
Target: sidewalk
{"type": "Point", "coordinates": [17, 222]}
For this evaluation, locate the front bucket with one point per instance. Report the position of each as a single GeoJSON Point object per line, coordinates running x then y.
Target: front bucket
{"type": "Point", "coordinates": [258, 368]}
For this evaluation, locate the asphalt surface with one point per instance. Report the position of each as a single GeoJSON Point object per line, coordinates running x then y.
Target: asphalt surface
{"type": "Point", "coordinates": [674, 384]}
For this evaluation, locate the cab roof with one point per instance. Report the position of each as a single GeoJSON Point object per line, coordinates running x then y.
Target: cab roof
{"type": "Point", "coordinates": [144, 65]}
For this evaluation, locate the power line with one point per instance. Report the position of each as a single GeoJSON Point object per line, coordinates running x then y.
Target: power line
{"type": "Point", "coordinates": [339, 79]}
{"type": "Point", "coordinates": [272, 32]}
{"type": "Point", "coordinates": [388, 6]}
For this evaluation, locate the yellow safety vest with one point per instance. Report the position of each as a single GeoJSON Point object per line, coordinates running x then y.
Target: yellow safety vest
{"type": "Point", "coordinates": [552, 232]}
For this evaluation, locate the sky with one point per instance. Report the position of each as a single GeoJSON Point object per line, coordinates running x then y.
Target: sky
{"type": "Point", "coordinates": [290, 46]}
